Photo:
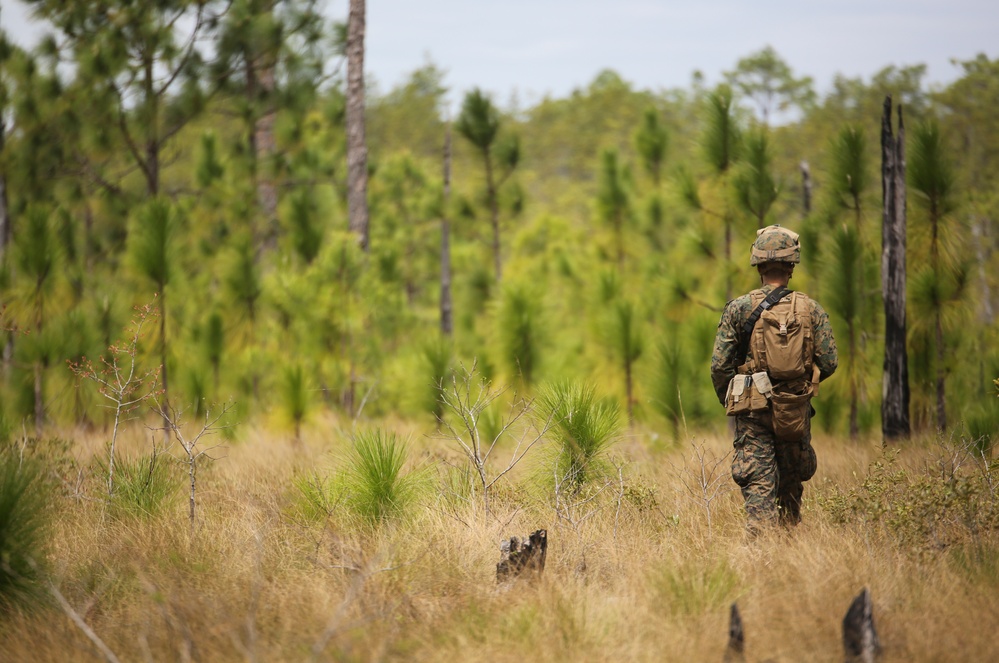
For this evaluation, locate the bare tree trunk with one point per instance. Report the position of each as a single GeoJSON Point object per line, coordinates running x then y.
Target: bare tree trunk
{"type": "Point", "coordinates": [860, 638]}
{"type": "Point", "coordinates": [357, 148]}
{"type": "Point", "coordinates": [806, 189]}
{"type": "Point", "coordinates": [895, 386]}
{"type": "Point", "coordinates": [447, 317]}
{"type": "Point", "coordinates": [734, 652]}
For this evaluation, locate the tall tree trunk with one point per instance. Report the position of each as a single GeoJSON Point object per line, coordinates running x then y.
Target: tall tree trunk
{"type": "Point", "coordinates": [357, 148]}
{"type": "Point", "coordinates": [447, 319]}
{"type": "Point", "coordinates": [895, 386]}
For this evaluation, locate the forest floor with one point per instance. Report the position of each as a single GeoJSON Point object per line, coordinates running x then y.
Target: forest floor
{"type": "Point", "coordinates": [642, 565]}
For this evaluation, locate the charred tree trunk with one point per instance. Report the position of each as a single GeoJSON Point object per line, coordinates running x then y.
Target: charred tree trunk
{"type": "Point", "coordinates": [734, 652]}
{"type": "Point", "coordinates": [357, 147]}
{"type": "Point", "coordinates": [447, 315]}
{"type": "Point", "coordinates": [895, 386]}
{"type": "Point", "coordinates": [522, 556]}
{"type": "Point", "coordinates": [860, 638]}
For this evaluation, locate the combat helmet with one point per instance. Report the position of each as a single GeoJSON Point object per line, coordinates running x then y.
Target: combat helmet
{"type": "Point", "coordinates": [775, 244]}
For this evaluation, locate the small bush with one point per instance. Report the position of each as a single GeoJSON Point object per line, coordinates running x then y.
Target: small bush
{"type": "Point", "coordinates": [24, 520]}
{"type": "Point", "coordinates": [318, 497]}
{"type": "Point", "coordinates": [377, 489]}
{"type": "Point", "coordinates": [144, 487]}
{"type": "Point", "coordinates": [583, 429]}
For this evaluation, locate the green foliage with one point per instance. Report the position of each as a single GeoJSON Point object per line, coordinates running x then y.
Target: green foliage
{"type": "Point", "coordinates": [318, 498]}
{"type": "Point", "coordinates": [755, 188]}
{"type": "Point", "coordinates": [152, 242]}
{"type": "Point", "coordinates": [651, 143]}
{"type": "Point", "coordinates": [767, 79]}
{"type": "Point", "coordinates": [295, 397]}
{"type": "Point", "coordinates": [519, 330]}
{"type": "Point", "coordinates": [377, 487]}
{"type": "Point", "coordinates": [25, 517]}
{"type": "Point", "coordinates": [143, 486]}
{"type": "Point", "coordinates": [438, 355]}
{"type": "Point", "coordinates": [583, 429]}
{"type": "Point", "coordinates": [924, 508]}
{"type": "Point", "coordinates": [695, 587]}
{"type": "Point", "coordinates": [479, 120]}
{"type": "Point", "coordinates": [849, 168]}
{"type": "Point", "coordinates": [722, 139]}
{"type": "Point", "coordinates": [929, 171]}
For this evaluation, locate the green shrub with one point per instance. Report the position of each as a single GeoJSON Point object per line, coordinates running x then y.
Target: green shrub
{"type": "Point", "coordinates": [377, 489]}
{"type": "Point", "coordinates": [582, 427]}
{"type": "Point", "coordinates": [143, 487]}
{"type": "Point", "coordinates": [24, 520]}
{"type": "Point", "coordinates": [318, 497]}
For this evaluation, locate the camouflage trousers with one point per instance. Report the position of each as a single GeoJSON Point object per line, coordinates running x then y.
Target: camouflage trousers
{"type": "Point", "coordinates": [769, 472]}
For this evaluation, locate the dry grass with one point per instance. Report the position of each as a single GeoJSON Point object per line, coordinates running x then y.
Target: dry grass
{"type": "Point", "coordinates": [636, 575]}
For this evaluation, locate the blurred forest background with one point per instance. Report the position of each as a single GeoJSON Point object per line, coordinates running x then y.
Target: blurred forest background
{"type": "Point", "coordinates": [200, 164]}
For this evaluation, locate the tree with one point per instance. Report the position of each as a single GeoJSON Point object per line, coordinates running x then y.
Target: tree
{"type": "Point", "coordinates": [895, 386]}
{"type": "Point", "coordinates": [268, 57]}
{"type": "Point", "coordinates": [931, 178]}
{"type": "Point", "coordinates": [612, 200]}
{"type": "Point", "coordinates": [722, 144]}
{"type": "Point", "coordinates": [152, 245]}
{"type": "Point", "coordinates": [651, 142]}
{"type": "Point", "coordinates": [38, 257]}
{"type": "Point", "coordinates": [765, 78]}
{"type": "Point", "coordinates": [754, 185]}
{"type": "Point", "coordinates": [845, 298]}
{"type": "Point", "coordinates": [135, 70]}
{"type": "Point", "coordinates": [479, 122]}
{"type": "Point", "coordinates": [357, 147]}
{"type": "Point", "coordinates": [849, 170]}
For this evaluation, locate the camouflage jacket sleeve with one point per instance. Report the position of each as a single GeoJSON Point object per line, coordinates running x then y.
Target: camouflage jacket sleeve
{"type": "Point", "coordinates": [825, 355]}
{"type": "Point", "coordinates": [724, 356]}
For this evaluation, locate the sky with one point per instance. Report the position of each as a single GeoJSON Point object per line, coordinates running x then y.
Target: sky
{"type": "Point", "coordinates": [528, 49]}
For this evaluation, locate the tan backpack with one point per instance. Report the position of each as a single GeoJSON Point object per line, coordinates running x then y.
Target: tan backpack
{"type": "Point", "coordinates": [780, 347]}
{"type": "Point", "coordinates": [781, 343]}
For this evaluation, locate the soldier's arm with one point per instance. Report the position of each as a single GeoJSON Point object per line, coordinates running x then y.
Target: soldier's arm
{"type": "Point", "coordinates": [826, 357]}
{"type": "Point", "coordinates": [724, 359]}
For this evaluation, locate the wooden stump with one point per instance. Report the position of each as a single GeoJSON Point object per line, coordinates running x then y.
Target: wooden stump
{"type": "Point", "coordinates": [860, 639]}
{"type": "Point", "coordinates": [734, 653]}
{"type": "Point", "coordinates": [522, 555]}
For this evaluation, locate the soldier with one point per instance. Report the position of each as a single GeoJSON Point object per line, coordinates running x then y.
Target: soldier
{"type": "Point", "coordinates": [767, 392]}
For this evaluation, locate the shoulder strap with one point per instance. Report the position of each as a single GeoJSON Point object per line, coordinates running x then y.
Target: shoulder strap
{"type": "Point", "coordinates": [747, 329]}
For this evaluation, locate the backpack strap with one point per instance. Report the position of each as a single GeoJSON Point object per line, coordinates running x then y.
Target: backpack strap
{"type": "Point", "coordinates": [747, 329]}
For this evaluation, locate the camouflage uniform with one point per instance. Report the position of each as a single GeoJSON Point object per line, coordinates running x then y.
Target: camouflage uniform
{"type": "Point", "coordinates": [770, 473]}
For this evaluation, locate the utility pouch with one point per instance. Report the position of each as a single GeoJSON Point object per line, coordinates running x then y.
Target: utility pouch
{"type": "Point", "coordinates": [791, 414]}
{"type": "Point", "coordinates": [747, 393]}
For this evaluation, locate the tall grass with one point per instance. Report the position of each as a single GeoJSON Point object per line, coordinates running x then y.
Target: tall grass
{"type": "Point", "coordinates": [144, 486]}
